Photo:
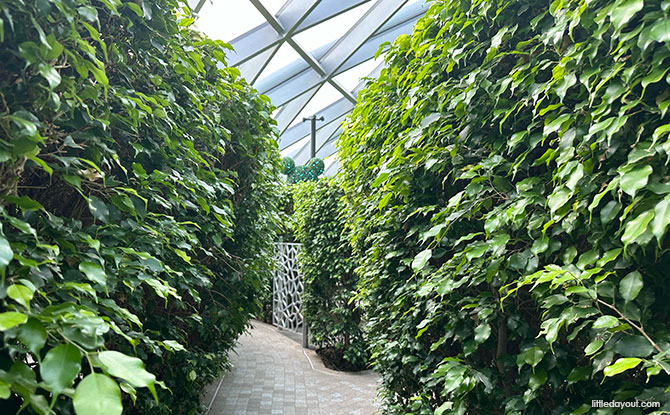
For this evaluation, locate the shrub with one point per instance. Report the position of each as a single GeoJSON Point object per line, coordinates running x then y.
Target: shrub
{"type": "Point", "coordinates": [137, 207]}
{"type": "Point", "coordinates": [334, 320]}
{"type": "Point", "coordinates": [507, 182]}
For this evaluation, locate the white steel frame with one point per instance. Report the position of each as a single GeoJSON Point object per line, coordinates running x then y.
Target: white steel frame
{"type": "Point", "coordinates": [292, 87]}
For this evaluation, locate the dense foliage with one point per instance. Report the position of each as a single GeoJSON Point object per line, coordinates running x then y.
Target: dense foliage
{"type": "Point", "coordinates": [136, 207]}
{"type": "Point", "coordinates": [507, 177]}
{"type": "Point", "coordinates": [328, 275]}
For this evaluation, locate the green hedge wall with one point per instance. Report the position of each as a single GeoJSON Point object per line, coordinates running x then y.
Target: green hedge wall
{"type": "Point", "coordinates": [137, 207]}
{"type": "Point", "coordinates": [507, 180]}
{"type": "Point", "coordinates": [333, 316]}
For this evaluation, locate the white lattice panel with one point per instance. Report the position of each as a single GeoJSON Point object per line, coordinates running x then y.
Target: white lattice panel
{"type": "Point", "coordinates": [287, 288]}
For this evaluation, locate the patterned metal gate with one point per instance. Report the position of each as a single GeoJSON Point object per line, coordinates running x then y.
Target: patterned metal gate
{"type": "Point", "coordinates": [287, 288]}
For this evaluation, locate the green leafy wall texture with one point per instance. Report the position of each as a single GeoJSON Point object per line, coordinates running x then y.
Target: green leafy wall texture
{"type": "Point", "coordinates": [328, 274]}
{"type": "Point", "coordinates": [136, 207]}
{"type": "Point", "coordinates": [507, 181]}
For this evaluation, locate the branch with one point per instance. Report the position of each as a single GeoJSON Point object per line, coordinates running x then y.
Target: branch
{"type": "Point", "coordinates": [639, 328]}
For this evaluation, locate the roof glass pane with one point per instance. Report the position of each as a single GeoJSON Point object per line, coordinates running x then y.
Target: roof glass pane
{"type": "Point", "coordinates": [227, 19]}
{"type": "Point", "coordinates": [295, 147]}
{"type": "Point", "coordinates": [273, 6]}
{"type": "Point", "coordinates": [352, 77]}
{"type": "Point", "coordinates": [285, 55]}
{"type": "Point", "coordinates": [326, 95]}
{"type": "Point", "coordinates": [331, 29]}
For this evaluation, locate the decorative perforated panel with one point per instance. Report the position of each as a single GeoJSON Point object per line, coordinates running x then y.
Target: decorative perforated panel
{"type": "Point", "coordinates": [287, 288]}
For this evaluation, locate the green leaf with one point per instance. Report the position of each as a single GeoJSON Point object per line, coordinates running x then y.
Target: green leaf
{"type": "Point", "coordinates": [660, 31]}
{"type": "Point", "coordinates": [537, 379]}
{"type": "Point", "coordinates": [93, 272]}
{"type": "Point", "coordinates": [98, 209]}
{"type": "Point", "coordinates": [50, 74]}
{"type": "Point", "coordinates": [621, 365]}
{"type": "Point", "coordinates": [97, 394]}
{"type": "Point", "coordinates": [6, 254]}
{"type": "Point", "coordinates": [89, 13]}
{"type": "Point", "coordinates": [60, 367]}
{"type": "Point", "coordinates": [11, 319]}
{"type": "Point", "coordinates": [635, 179]}
{"type": "Point", "coordinates": [130, 369]}
{"type": "Point", "coordinates": [593, 347]}
{"type": "Point", "coordinates": [24, 202]}
{"type": "Point", "coordinates": [33, 335]}
{"type": "Point", "coordinates": [558, 198]}
{"type": "Point", "coordinates": [482, 332]}
{"type": "Point", "coordinates": [533, 356]}
{"type": "Point", "coordinates": [605, 322]}
{"type": "Point", "coordinates": [661, 219]}
{"type": "Point", "coordinates": [634, 346]}
{"type": "Point", "coordinates": [636, 228]}
{"type": "Point", "coordinates": [421, 259]}
{"type": "Point", "coordinates": [5, 390]}
{"type": "Point", "coordinates": [447, 406]}
{"type": "Point", "coordinates": [630, 286]}
{"type": "Point", "coordinates": [609, 211]}
{"type": "Point", "coordinates": [625, 11]}
{"type": "Point", "coordinates": [21, 294]}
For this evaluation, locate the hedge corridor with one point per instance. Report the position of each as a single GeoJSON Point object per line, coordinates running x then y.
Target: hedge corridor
{"type": "Point", "coordinates": [137, 207]}
{"type": "Point", "coordinates": [508, 197]}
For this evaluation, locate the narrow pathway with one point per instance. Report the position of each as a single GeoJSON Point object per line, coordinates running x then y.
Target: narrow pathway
{"type": "Point", "coordinates": [273, 374]}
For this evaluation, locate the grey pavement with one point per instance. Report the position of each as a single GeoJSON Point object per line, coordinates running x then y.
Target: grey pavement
{"type": "Point", "coordinates": [273, 374]}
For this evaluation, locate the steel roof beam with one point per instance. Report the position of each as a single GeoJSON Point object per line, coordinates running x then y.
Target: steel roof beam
{"type": "Point", "coordinates": [338, 55]}
{"type": "Point", "coordinates": [400, 23]}
{"type": "Point", "coordinates": [299, 15]}
{"type": "Point", "coordinates": [330, 113]}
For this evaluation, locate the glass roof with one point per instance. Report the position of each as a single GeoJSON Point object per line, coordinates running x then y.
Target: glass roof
{"type": "Point", "coordinates": [308, 56]}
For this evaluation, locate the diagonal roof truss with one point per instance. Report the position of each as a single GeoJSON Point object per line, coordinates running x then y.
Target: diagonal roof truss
{"type": "Point", "coordinates": [293, 87]}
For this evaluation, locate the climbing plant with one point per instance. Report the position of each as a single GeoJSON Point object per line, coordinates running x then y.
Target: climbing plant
{"type": "Point", "coordinates": [137, 207]}
{"type": "Point", "coordinates": [507, 187]}
{"type": "Point", "coordinates": [327, 270]}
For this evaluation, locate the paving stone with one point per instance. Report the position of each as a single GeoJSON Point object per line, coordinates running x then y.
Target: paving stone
{"type": "Point", "coordinates": [273, 374]}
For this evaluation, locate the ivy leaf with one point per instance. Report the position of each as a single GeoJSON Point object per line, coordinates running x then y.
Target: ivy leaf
{"type": "Point", "coordinates": [605, 322]}
{"type": "Point", "coordinates": [624, 12]}
{"type": "Point", "coordinates": [635, 179]}
{"type": "Point", "coordinates": [482, 332]}
{"type": "Point", "coordinates": [533, 356]}
{"type": "Point", "coordinates": [6, 254]}
{"type": "Point", "coordinates": [631, 285]}
{"type": "Point", "coordinates": [50, 74]}
{"type": "Point", "coordinates": [21, 294]}
{"type": "Point", "coordinates": [447, 406]}
{"type": "Point", "coordinates": [636, 228]}
{"type": "Point", "coordinates": [130, 369]}
{"type": "Point", "coordinates": [660, 31]}
{"type": "Point", "coordinates": [60, 367]}
{"type": "Point", "coordinates": [609, 211]}
{"type": "Point", "coordinates": [93, 272]}
{"type": "Point", "coordinates": [621, 365]}
{"type": "Point", "coordinates": [11, 319]}
{"type": "Point", "coordinates": [634, 346]}
{"type": "Point", "coordinates": [33, 335]}
{"type": "Point", "coordinates": [661, 219]}
{"type": "Point", "coordinates": [593, 347]}
{"type": "Point", "coordinates": [5, 390]}
{"type": "Point", "coordinates": [421, 259]}
{"type": "Point", "coordinates": [97, 394]}
{"type": "Point", "coordinates": [98, 209]}
{"type": "Point", "coordinates": [559, 198]}
{"type": "Point", "coordinates": [537, 379]}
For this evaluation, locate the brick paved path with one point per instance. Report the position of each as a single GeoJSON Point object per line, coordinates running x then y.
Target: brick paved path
{"type": "Point", "coordinates": [273, 374]}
